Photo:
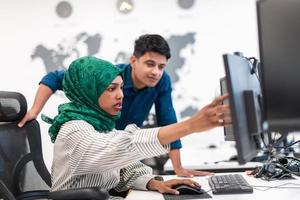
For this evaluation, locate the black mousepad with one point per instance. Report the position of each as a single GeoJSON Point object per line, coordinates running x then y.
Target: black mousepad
{"type": "Point", "coordinates": [186, 196]}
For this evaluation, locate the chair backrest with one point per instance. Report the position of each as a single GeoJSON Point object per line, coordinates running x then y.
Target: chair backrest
{"type": "Point", "coordinates": [156, 163]}
{"type": "Point", "coordinates": [18, 146]}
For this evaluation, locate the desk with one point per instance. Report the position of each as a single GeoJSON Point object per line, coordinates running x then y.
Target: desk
{"type": "Point", "coordinates": [220, 167]}
{"type": "Point", "coordinates": [258, 193]}
{"type": "Point", "coordinates": [215, 160]}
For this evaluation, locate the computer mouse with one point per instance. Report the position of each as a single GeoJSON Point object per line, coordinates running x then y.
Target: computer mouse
{"type": "Point", "coordinates": [186, 189]}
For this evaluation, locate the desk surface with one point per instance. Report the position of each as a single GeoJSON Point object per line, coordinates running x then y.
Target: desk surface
{"type": "Point", "coordinates": [215, 159]}
{"type": "Point", "coordinates": [285, 189]}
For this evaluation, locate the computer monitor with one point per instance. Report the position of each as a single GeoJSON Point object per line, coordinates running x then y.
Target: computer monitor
{"type": "Point", "coordinates": [279, 42]}
{"type": "Point", "coordinates": [244, 99]}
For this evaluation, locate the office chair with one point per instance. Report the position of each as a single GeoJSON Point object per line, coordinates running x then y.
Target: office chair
{"type": "Point", "coordinates": [20, 147]}
{"type": "Point", "coordinates": [156, 163]}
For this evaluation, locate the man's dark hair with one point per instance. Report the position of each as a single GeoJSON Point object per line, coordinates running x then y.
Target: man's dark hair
{"type": "Point", "coordinates": [151, 43]}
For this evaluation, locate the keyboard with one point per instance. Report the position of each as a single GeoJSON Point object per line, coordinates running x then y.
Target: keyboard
{"type": "Point", "coordinates": [229, 184]}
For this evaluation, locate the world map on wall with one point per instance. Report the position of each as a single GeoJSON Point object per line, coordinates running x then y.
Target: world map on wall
{"type": "Point", "coordinates": [90, 44]}
{"type": "Point", "coordinates": [54, 58]}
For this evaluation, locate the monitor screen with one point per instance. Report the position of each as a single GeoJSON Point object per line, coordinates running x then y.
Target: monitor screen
{"type": "Point", "coordinates": [279, 42]}
{"type": "Point", "coordinates": [244, 94]}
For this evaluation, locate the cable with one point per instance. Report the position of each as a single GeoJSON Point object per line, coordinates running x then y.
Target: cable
{"type": "Point", "coordinates": [288, 145]}
{"type": "Point", "coordinates": [278, 168]}
{"type": "Point", "coordinates": [207, 191]}
{"type": "Point", "coordinates": [254, 67]}
{"type": "Point", "coordinates": [276, 187]}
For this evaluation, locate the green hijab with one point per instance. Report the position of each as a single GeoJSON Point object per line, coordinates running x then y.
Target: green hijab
{"type": "Point", "coordinates": [83, 83]}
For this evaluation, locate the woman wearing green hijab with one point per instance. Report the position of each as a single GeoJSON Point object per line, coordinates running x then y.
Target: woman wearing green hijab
{"type": "Point", "coordinates": [89, 152]}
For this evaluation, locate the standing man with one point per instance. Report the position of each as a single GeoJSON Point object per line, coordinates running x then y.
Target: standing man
{"type": "Point", "coordinates": [145, 83]}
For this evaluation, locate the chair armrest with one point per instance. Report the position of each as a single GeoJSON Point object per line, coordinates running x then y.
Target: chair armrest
{"type": "Point", "coordinates": [94, 193]}
{"type": "Point", "coordinates": [5, 192]}
{"type": "Point", "coordinates": [35, 194]}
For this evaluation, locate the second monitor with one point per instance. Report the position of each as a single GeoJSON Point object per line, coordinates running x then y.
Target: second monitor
{"type": "Point", "coordinates": [279, 42]}
{"type": "Point", "coordinates": [244, 98]}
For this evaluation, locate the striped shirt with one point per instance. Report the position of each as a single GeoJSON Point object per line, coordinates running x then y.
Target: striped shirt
{"type": "Point", "coordinates": [84, 157]}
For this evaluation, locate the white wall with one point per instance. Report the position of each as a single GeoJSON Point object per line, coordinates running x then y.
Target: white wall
{"type": "Point", "coordinates": [220, 26]}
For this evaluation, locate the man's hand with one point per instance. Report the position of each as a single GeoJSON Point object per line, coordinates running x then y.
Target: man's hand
{"type": "Point", "coordinates": [174, 155]}
{"type": "Point", "coordinates": [30, 115]}
{"type": "Point", "coordinates": [166, 186]}
{"type": "Point", "coordinates": [191, 173]}
{"type": "Point", "coordinates": [41, 97]}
